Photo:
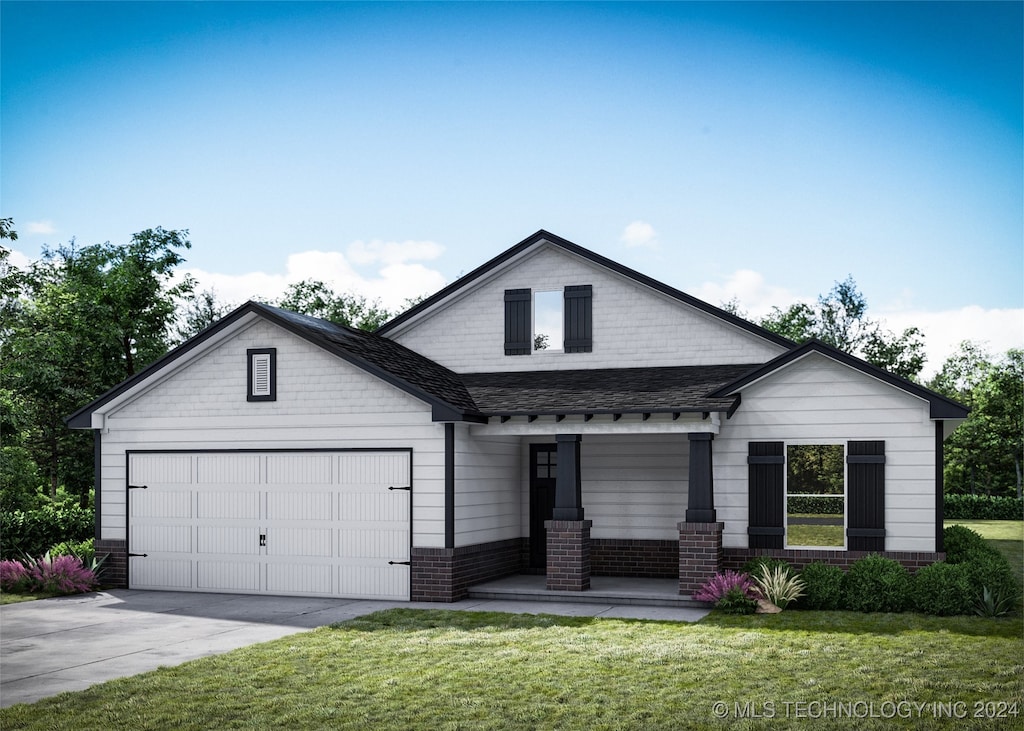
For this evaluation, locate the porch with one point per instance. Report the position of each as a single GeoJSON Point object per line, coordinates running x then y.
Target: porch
{"type": "Point", "coordinates": [614, 590]}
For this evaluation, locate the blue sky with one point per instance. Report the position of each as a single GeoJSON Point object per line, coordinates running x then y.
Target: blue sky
{"type": "Point", "coordinates": [761, 151]}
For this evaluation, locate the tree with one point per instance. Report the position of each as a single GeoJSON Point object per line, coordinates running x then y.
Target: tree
{"type": "Point", "coordinates": [316, 299]}
{"type": "Point", "coordinates": [984, 454]}
{"type": "Point", "coordinates": [84, 319]}
{"type": "Point", "coordinates": [840, 320]}
{"type": "Point", "coordinates": [198, 312]}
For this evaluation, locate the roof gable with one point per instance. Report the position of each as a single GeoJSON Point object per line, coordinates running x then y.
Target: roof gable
{"type": "Point", "coordinates": [383, 358]}
{"type": "Point", "coordinates": [543, 237]}
{"type": "Point", "coordinates": [940, 407]}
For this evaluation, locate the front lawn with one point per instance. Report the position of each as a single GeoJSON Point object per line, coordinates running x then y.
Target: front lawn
{"type": "Point", "coordinates": [410, 669]}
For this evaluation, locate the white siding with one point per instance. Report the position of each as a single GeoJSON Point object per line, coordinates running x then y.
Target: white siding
{"type": "Point", "coordinates": [633, 326]}
{"type": "Point", "coordinates": [322, 402]}
{"type": "Point", "coordinates": [487, 488]}
{"type": "Point", "coordinates": [820, 400]}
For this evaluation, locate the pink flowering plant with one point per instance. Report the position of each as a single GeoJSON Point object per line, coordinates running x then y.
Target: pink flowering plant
{"type": "Point", "coordinates": [730, 591]}
{"type": "Point", "coordinates": [13, 576]}
{"type": "Point", "coordinates": [59, 575]}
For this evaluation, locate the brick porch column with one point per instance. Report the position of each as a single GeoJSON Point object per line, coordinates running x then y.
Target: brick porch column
{"type": "Point", "coordinates": [700, 554]}
{"type": "Point", "coordinates": [568, 554]}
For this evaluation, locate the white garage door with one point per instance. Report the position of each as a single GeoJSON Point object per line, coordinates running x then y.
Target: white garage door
{"type": "Point", "coordinates": [319, 523]}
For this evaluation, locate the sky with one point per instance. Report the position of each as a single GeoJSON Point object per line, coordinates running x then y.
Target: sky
{"type": "Point", "coordinates": [753, 151]}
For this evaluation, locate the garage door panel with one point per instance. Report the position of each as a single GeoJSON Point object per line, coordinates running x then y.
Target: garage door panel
{"type": "Point", "coordinates": [306, 469]}
{"type": "Point", "coordinates": [369, 543]}
{"type": "Point", "coordinates": [228, 540]}
{"type": "Point", "coordinates": [161, 539]}
{"type": "Point", "coordinates": [299, 542]}
{"type": "Point", "coordinates": [213, 469]}
{"type": "Point", "coordinates": [374, 469]}
{"type": "Point", "coordinates": [165, 469]}
{"type": "Point", "coordinates": [294, 505]}
{"type": "Point", "coordinates": [229, 575]}
{"type": "Point", "coordinates": [376, 506]}
{"type": "Point", "coordinates": [156, 573]}
{"type": "Point", "coordinates": [292, 578]}
{"type": "Point", "coordinates": [374, 583]}
{"type": "Point", "coordinates": [230, 504]}
{"type": "Point", "coordinates": [160, 503]}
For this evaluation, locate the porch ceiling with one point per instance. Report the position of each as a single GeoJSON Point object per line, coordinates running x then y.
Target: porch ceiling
{"type": "Point", "coordinates": [676, 390]}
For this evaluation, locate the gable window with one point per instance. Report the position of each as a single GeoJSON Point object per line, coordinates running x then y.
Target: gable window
{"type": "Point", "coordinates": [261, 380]}
{"type": "Point", "coordinates": [548, 320]}
{"type": "Point", "coordinates": [558, 320]}
{"type": "Point", "coordinates": [815, 495]}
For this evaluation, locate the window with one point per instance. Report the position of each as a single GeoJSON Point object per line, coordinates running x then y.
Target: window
{"type": "Point", "coordinates": [548, 320]}
{"type": "Point", "coordinates": [815, 495]}
{"type": "Point", "coordinates": [261, 380]}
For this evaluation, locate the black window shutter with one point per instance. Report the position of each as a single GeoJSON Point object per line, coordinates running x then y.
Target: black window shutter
{"type": "Point", "coordinates": [578, 330]}
{"type": "Point", "coordinates": [865, 526]}
{"type": "Point", "coordinates": [766, 468]}
{"type": "Point", "coordinates": [517, 322]}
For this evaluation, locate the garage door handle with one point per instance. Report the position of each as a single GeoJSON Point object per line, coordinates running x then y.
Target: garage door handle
{"type": "Point", "coordinates": [400, 563]}
{"type": "Point", "coordinates": [401, 488]}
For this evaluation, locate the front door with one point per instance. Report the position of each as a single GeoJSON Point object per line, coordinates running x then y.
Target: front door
{"type": "Point", "coordinates": [542, 499]}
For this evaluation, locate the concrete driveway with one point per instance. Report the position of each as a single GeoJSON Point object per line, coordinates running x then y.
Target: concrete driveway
{"type": "Point", "coordinates": [69, 643]}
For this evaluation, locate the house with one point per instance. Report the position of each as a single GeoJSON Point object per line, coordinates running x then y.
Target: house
{"type": "Point", "coordinates": [550, 412]}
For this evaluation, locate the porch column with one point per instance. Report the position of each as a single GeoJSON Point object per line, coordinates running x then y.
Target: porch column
{"type": "Point", "coordinates": [700, 502]}
{"type": "Point", "coordinates": [568, 534]}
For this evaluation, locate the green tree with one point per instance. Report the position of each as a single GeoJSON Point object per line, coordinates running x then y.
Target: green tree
{"type": "Point", "coordinates": [197, 312]}
{"type": "Point", "coordinates": [984, 454]}
{"type": "Point", "coordinates": [316, 299]}
{"type": "Point", "coordinates": [85, 318]}
{"type": "Point", "coordinates": [840, 319]}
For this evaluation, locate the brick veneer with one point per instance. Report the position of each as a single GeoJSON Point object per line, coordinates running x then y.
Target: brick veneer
{"type": "Point", "coordinates": [445, 574]}
{"type": "Point", "coordinates": [568, 554]}
{"type": "Point", "coordinates": [913, 560]}
{"type": "Point", "coordinates": [114, 571]}
{"type": "Point", "coordinates": [634, 557]}
{"type": "Point", "coordinates": [700, 554]}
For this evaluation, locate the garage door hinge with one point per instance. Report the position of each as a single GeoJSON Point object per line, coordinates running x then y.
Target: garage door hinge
{"type": "Point", "coordinates": [138, 487]}
{"type": "Point", "coordinates": [401, 563]}
{"type": "Point", "coordinates": [401, 488]}
{"type": "Point", "coordinates": [138, 555]}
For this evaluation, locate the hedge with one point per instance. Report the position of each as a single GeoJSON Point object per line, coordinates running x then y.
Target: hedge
{"type": "Point", "coordinates": [32, 532]}
{"type": "Point", "coordinates": [982, 507]}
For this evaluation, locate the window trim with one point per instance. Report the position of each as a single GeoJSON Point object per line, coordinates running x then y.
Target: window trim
{"type": "Point", "coordinates": [786, 444]}
{"type": "Point", "coordinates": [250, 381]}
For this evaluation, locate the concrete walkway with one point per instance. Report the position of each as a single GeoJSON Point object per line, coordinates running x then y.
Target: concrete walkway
{"type": "Point", "coordinates": [66, 644]}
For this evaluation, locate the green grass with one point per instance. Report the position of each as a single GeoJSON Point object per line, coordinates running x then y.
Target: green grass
{"type": "Point", "coordinates": [409, 669]}
{"type": "Point", "coordinates": [814, 535]}
{"type": "Point", "coordinates": [7, 597]}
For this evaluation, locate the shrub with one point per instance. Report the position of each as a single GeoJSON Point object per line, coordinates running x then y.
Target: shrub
{"type": "Point", "coordinates": [719, 585]}
{"type": "Point", "coordinates": [823, 586]}
{"type": "Point", "coordinates": [991, 571]}
{"type": "Point", "coordinates": [961, 543]}
{"type": "Point", "coordinates": [756, 564]}
{"type": "Point", "coordinates": [61, 575]}
{"type": "Point", "coordinates": [943, 589]}
{"type": "Point", "coordinates": [737, 601]}
{"type": "Point", "coordinates": [84, 550]}
{"type": "Point", "coordinates": [32, 532]}
{"type": "Point", "coordinates": [990, 605]}
{"type": "Point", "coordinates": [13, 576]}
{"type": "Point", "coordinates": [876, 584]}
{"type": "Point", "coordinates": [983, 507]}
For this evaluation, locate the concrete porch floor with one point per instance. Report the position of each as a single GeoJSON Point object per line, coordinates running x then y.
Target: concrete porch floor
{"type": "Point", "coordinates": [619, 590]}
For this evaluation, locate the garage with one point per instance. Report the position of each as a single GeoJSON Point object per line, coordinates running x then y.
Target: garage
{"type": "Point", "coordinates": [331, 523]}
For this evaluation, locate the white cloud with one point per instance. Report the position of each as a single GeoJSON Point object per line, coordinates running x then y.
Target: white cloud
{"type": "Point", "coordinates": [755, 296]}
{"type": "Point", "coordinates": [999, 329]}
{"type": "Point", "coordinates": [18, 260]}
{"type": "Point", "coordinates": [40, 227]}
{"type": "Point", "coordinates": [640, 233]}
{"type": "Point", "coordinates": [379, 270]}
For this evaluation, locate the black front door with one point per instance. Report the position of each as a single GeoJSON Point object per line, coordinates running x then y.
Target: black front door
{"type": "Point", "coordinates": [542, 499]}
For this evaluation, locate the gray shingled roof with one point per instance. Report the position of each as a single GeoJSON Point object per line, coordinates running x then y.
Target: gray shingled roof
{"type": "Point", "coordinates": [604, 390]}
